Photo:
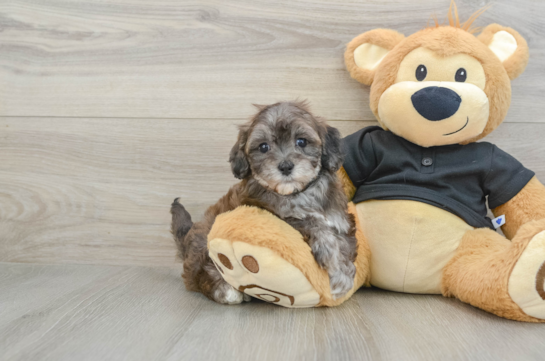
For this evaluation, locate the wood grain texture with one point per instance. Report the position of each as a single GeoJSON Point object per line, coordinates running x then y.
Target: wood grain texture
{"type": "Point", "coordinates": [213, 58]}
{"type": "Point", "coordinates": [111, 109]}
{"type": "Point", "coordinates": [77, 312]}
{"type": "Point", "coordinates": [99, 190]}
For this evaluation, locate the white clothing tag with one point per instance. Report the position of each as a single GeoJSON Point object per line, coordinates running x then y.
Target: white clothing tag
{"type": "Point", "coordinates": [499, 221]}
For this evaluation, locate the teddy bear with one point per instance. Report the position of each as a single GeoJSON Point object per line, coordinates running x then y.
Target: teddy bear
{"type": "Point", "coordinates": [418, 183]}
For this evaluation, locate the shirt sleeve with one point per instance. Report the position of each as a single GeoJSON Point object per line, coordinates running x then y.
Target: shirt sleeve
{"type": "Point", "coordinates": [360, 159]}
{"type": "Point", "coordinates": [505, 179]}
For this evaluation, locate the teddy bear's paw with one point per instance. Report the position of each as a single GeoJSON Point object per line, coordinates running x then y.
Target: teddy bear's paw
{"type": "Point", "coordinates": [342, 280]}
{"type": "Point", "coordinates": [527, 280]}
{"type": "Point", "coordinates": [226, 294]}
{"type": "Point", "coordinates": [262, 273]}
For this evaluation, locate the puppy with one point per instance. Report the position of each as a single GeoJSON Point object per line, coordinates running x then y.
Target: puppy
{"type": "Point", "coordinates": [287, 160]}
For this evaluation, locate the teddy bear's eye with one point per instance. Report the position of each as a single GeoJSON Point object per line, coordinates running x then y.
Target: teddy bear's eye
{"type": "Point", "coordinates": [421, 72]}
{"type": "Point", "coordinates": [461, 75]}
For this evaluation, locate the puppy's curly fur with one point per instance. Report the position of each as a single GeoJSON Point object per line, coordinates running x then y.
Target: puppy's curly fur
{"type": "Point", "coordinates": [287, 160]}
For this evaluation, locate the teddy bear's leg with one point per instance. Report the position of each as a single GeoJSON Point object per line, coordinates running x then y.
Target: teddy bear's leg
{"type": "Point", "coordinates": [500, 276]}
{"type": "Point", "coordinates": [261, 255]}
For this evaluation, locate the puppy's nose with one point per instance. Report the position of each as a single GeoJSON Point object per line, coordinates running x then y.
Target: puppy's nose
{"type": "Point", "coordinates": [436, 103]}
{"type": "Point", "coordinates": [285, 167]}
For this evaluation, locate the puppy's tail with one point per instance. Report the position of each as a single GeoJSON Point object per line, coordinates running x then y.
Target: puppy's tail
{"type": "Point", "coordinates": [180, 226]}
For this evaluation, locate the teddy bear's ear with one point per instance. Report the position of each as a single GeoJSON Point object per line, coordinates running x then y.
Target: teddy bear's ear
{"type": "Point", "coordinates": [508, 46]}
{"type": "Point", "coordinates": [365, 52]}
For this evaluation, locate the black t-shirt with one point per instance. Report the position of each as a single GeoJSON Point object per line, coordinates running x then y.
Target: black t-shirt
{"type": "Point", "coordinates": [456, 178]}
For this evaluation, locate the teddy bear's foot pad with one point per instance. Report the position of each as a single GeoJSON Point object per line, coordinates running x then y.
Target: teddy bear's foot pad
{"type": "Point", "coordinates": [527, 280]}
{"type": "Point", "coordinates": [261, 273]}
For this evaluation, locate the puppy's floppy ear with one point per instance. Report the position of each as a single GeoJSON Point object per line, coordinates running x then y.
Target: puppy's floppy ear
{"type": "Point", "coordinates": [509, 46]}
{"type": "Point", "coordinates": [365, 52]}
{"type": "Point", "coordinates": [239, 162]}
{"type": "Point", "coordinates": [332, 156]}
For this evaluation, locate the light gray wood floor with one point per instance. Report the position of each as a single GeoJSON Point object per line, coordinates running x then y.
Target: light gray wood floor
{"type": "Point", "coordinates": [111, 109]}
{"type": "Point", "coordinates": [213, 58]}
{"type": "Point", "coordinates": [98, 191]}
{"type": "Point", "coordinates": [82, 312]}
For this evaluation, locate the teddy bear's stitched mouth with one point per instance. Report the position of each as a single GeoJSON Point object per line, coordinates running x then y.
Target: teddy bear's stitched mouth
{"type": "Point", "coordinates": [465, 125]}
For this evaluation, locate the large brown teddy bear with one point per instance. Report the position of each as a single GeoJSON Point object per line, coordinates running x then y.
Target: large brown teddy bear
{"type": "Point", "coordinates": [419, 184]}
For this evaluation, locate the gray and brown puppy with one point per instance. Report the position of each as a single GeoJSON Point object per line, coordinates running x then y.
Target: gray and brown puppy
{"type": "Point", "coordinates": [287, 160]}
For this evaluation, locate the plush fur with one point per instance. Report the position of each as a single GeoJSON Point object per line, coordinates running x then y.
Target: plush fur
{"type": "Point", "coordinates": [385, 38]}
{"type": "Point", "coordinates": [516, 63]}
{"type": "Point", "coordinates": [446, 41]}
{"type": "Point", "coordinates": [479, 272]}
{"type": "Point", "coordinates": [348, 187]}
{"type": "Point", "coordinates": [483, 268]}
{"type": "Point", "coordinates": [272, 233]}
{"type": "Point", "coordinates": [525, 207]}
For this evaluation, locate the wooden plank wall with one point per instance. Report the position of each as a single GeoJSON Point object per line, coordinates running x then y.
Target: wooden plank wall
{"type": "Point", "coordinates": [110, 109]}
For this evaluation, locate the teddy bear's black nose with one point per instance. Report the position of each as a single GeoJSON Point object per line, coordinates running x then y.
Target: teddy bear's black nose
{"type": "Point", "coordinates": [436, 103]}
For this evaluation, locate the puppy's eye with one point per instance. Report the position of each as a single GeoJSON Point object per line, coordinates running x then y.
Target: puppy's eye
{"type": "Point", "coordinates": [421, 72]}
{"type": "Point", "coordinates": [461, 75]}
{"type": "Point", "coordinates": [264, 147]}
{"type": "Point", "coordinates": [301, 142]}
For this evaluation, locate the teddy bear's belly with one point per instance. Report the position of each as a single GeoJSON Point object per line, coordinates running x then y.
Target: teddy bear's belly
{"type": "Point", "coordinates": [410, 243]}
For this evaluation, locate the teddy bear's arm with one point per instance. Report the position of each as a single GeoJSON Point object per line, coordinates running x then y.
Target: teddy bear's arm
{"type": "Point", "coordinates": [526, 206]}
{"type": "Point", "coordinates": [348, 186]}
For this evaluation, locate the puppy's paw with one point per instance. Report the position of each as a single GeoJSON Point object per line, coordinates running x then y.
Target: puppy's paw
{"type": "Point", "coordinates": [226, 294]}
{"type": "Point", "coordinates": [341, 281]}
